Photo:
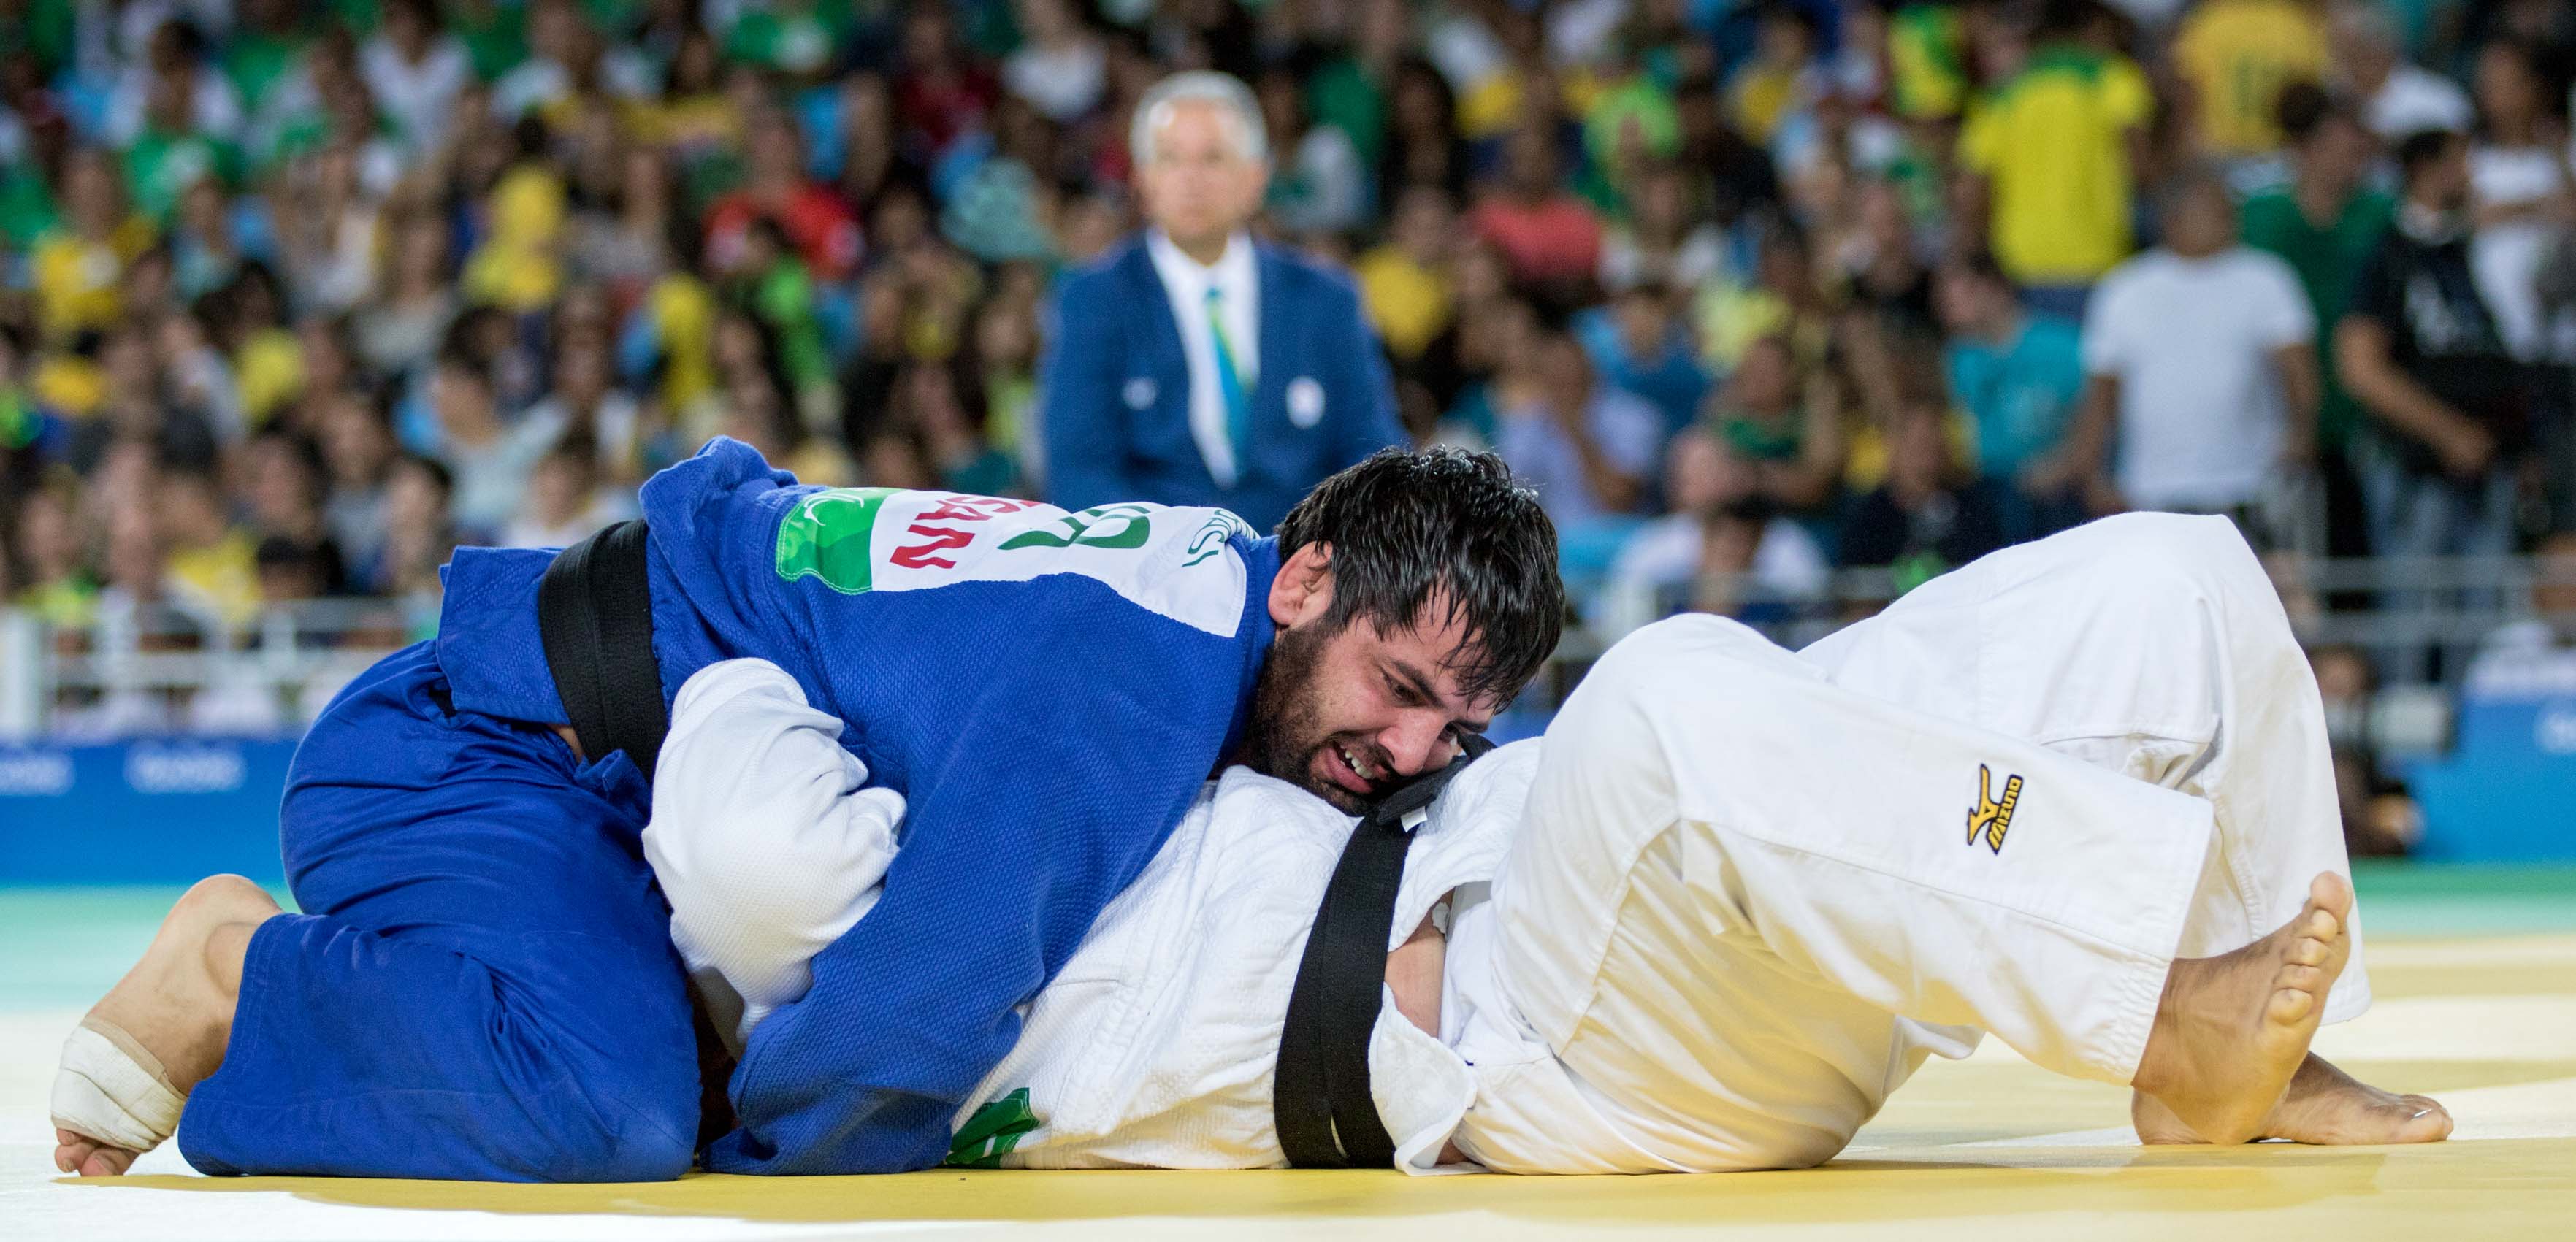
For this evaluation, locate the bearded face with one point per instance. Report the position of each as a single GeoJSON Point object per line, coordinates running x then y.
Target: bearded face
{"type": "Point", "coordinates": [1350, 715]}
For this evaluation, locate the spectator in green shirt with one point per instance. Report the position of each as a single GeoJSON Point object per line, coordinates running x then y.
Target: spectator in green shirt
{"type": "Point", "coordinates": [169, 155]}
{"type": "Point", "coordinates": [2325, 223]}
{"type": "Point", "coordinates": [42, 30]}
{"type": "Point", "coordinates": [495, 35]}
{"type": "Point", "coordinates": [262, 48]}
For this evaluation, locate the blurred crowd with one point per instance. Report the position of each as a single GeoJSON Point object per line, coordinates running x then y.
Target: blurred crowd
{"type": "Point", "coordinates": [298, 296]}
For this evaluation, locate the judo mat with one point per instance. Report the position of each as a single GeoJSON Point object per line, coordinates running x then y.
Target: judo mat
{"type": "Point", "coordinates": [2475, 972]}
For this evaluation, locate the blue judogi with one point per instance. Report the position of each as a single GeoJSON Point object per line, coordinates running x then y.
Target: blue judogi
{"type": "Point", "coordinates": [482, 984]}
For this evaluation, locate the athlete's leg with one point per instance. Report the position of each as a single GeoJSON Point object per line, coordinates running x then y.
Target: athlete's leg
{"type": "Point", "coordinates": [2155, 645]}
{"type": "Point", "coordinates": [1707, 802]}
{"type": "Point", "coordinates": [482, 985]}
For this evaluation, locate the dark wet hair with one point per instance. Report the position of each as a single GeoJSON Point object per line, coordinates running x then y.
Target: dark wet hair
{"type": "Point", "coordinates": [1406, 525]}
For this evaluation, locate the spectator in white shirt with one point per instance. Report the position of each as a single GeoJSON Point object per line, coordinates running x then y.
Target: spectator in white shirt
{"type": "Point", "coordinates": [1587, 447]}
{"type": "Point", "coordinates": [1061, 68]}
{"type": "Point", "coordinates": [2519, 191]}
{"type": "Point", "coordinates": [1719, 550]}
{"type": "Point", "coordinates": [2396, 97]}
{"type": "Point", "coordinates": [176, 60]}
{"type": "Point", "coordinates": [1321, 185]}
{"type": "Point", "coordinates": [491, 460]}
{"type": "Point", "coordinates": [564, 503]}
{"type": "Point", "coordinates": [415, 71]}
{"type": "Point", "coordinates": [2201, 355]}
{"type": "Point", "coordinates": [586, 400]}
{"type": "Point", "coordinates": [563, 49]}
{"type": "Point", "coordinates": [2536, 654]}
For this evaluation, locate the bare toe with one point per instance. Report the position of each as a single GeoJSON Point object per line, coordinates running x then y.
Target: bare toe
{"type": "Point", "coordinates": [2324, 1105]}
{"type": "Point", "coordinates": [2431, 1123]}
{"type": "Point", "coordinates": [108, 1162]}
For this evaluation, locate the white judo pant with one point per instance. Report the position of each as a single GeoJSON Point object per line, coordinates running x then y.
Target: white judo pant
{"type": "Point", "coordinates": [1748, 899]}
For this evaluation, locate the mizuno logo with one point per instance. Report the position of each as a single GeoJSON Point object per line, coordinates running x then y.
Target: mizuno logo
{"type": "Point", "coordinates": [1992, 817]}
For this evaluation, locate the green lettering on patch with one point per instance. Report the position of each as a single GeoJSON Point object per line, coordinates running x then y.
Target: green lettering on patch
{"type": "Point", "coordinates": [992, 1132]}
{"type": "Point", "coordinates": [826, 536]}
{"type": "Point", "coordinates": [1107, 526]}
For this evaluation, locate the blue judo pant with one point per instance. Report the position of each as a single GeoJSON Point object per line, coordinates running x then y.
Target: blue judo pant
{"type": "Point", "coordinates": [482, 984]}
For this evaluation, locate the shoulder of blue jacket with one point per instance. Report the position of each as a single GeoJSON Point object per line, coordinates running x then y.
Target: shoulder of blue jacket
{"type": "Point", "coordinates": [1109, 266]}
{"type": "Point", "coordinates": [1306, 275]}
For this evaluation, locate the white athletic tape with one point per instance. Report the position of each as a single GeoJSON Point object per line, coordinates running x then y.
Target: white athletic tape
{"type": "Point", "coordinates": [112, 1090]}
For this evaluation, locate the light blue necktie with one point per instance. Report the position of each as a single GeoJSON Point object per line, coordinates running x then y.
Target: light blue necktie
{"type": "Point", "coordinates": [1229, 381]}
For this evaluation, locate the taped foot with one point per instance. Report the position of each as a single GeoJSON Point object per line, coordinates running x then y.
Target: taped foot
{"type": "Point", "coordinates": [112, 1101]}
{"type": "Point", "coordinates": [128, 1067]}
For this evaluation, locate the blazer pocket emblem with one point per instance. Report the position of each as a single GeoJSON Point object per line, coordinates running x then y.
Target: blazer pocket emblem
{"type": "Point", "coordinates": [1140, 393]}
{"type": "Point", "coordinates": [1305, 402]}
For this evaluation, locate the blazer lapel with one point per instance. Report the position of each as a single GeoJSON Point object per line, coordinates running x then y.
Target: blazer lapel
{"type": "Point", "coordinates": [1161, 356]}
{"type": "Point", "coordinates": [1152, 303]}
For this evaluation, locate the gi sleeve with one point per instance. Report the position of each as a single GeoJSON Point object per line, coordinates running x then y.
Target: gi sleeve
{"type": "Point", "coordinates": [1047, 791]}
{"type": "Point", "coordinates": [765, 837]}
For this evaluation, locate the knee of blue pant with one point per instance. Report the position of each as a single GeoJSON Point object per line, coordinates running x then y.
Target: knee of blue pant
{"type": "Point", "coordinates": [638, 1156]}
{"type": "Point", "coordinates": [617, 1126]}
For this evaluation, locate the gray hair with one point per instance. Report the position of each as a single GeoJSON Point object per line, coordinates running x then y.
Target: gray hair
{"type": "Point", "coordinates": [1200, 86]}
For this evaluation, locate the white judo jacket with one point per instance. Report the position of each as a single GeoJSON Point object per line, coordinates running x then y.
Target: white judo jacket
{"type": "Point", "coordinates": [1158, 1042]}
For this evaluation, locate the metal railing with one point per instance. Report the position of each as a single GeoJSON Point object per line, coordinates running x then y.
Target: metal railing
{"type": "Point", "coordinates": [142, 670]}
{"type": "Point", "coordinates": [162, 668]}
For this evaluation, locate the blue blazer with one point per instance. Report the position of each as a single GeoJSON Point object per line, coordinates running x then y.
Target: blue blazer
{"type": "Point", "coordinates": [1114, 400]}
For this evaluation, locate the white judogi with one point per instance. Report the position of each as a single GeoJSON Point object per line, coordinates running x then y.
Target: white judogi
{"type": "Point", "coordinates": [1742, 900]}
{"type": "Point", "coordinates": [1740, 867]}
{"type": "Point", "coordinates": [1155, 1044]}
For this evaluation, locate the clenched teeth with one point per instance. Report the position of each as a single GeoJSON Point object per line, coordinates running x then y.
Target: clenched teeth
{"type": "Point", "coordinates": [1365, 773]}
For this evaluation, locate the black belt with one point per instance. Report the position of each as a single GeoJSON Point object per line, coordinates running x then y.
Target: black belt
{"type": "Point", "coordinates": [1320, 1099]}
{"type": "Point", "coordinates": [595, 613]}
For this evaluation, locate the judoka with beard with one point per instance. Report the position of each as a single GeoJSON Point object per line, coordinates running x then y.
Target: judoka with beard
{"type": "Point", "coordinates": [2075, 795]}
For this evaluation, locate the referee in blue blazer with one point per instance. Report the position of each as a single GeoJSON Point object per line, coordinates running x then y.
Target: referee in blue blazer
{"type": "Point", "coordinates": [1193, 365]}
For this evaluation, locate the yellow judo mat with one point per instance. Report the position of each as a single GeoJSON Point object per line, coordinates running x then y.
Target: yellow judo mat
{"type": "Point", "coordinates": [1986, 1149]}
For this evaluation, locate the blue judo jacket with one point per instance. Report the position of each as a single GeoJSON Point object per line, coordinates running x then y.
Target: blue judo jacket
{"type": "Point", "coordinates": [1047, 689]}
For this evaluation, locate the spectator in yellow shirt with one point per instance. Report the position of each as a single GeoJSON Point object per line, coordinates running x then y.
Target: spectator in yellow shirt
{"type": "Point", "coordinates": [213, 565]}
{"type": "Point", "coordinates": [1780, 78]}
{"type": "Point", "coordinates": [77, 265]}
{"type": "Point", "coordinates": [2056, 144]}
{"type": "Point", "coordinates": [1405, 281]}
{"type": "Point", "coordinates": [2237, 55]}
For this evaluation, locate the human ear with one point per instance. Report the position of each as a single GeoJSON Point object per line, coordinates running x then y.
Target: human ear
{"type": "Point", "coordinates": [1303, 591]}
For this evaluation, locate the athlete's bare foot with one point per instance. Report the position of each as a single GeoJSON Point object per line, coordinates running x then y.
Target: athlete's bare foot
{"type": "Point", "coordinates": [177, 1003]}
{"type": "Point", "coordinates": [2324, 1105]}
{"type": "Point", "coordinates": [2232, 1030]}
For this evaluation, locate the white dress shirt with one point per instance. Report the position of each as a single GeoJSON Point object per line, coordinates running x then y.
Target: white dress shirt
{"type": "Point", "coordinates": [1237, 279]}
